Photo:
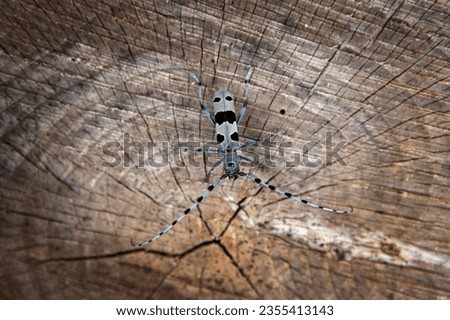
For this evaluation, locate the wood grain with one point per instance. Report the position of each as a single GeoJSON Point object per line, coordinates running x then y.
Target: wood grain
{"type": "Point", "coordinates": [77, 75]}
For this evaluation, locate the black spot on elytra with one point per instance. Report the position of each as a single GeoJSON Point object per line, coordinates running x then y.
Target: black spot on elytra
{"type": "Point", "coordinates": [216, 99]}
{"type": "Point", "coordinates": [222, 116]}
{"type": "Point", "coordinates": [220, 138]}
{"type": "Point", "coordinates": [228, 98]}
{"type": "Point", "coordinates": [234, 136]}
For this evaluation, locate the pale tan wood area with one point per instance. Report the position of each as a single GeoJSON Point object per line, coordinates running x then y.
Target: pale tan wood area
{"type": "Point", "coordinates": [77, 75]}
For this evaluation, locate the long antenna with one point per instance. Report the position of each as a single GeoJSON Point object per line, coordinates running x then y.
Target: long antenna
{"type": "Point", "coordinates": [290, 195]}
{"type": "Point", "coordinates": [181, 217]}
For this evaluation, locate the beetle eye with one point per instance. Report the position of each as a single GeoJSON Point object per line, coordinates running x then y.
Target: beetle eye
{"type": "Point", "coordinates": [228, 98]}
{"type": "Point", "coordinates": [216, 99]}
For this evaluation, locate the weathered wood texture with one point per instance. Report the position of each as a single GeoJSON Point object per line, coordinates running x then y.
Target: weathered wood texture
{"type": "Point", "coordinates": [76, 75]}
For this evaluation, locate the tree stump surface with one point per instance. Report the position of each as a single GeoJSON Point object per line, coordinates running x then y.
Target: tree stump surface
{"type": "Point", "coordinates": [81, 76]}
